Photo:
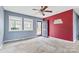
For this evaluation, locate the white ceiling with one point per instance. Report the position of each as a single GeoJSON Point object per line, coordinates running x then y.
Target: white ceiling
{"type": "Point", "coordinates": [27, 10]}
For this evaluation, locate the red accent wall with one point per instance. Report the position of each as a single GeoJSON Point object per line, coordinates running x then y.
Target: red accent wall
{"type": "Point", "coordinates": [63, 31]}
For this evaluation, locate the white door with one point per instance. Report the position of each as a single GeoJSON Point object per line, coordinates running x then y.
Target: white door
{"type": "Point", "coordinates": [39, 28]}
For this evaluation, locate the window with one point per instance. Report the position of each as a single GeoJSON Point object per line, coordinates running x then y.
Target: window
{"type": "Point", "coordinates": [28, 24]}
{"type": "Point", "coordinates": [58, 21]}
{"type": "Point", "coordinates": [15, 23]}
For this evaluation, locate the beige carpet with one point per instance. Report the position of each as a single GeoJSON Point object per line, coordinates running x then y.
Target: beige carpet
{"type": "Point", "coordinates": [40, 45]}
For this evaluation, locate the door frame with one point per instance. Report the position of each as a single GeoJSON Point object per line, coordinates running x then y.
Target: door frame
{"type": "Point", "coordinates": [48, 28]}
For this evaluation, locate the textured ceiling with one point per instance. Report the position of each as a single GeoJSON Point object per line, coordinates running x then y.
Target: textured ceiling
{"type": "Point", "coordinates": [27, 10]}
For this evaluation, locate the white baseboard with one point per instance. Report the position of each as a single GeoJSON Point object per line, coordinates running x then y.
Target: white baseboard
{"type": "Point", "coordinates": [17, 39]}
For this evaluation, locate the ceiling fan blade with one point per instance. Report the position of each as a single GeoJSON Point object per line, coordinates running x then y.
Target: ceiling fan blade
{"type": "Point", "coordinates": [45, 7]}
{"type": "Point", "coordinates": [48, 11]}
{"type": "Point", "coordinates": [43, 14]}
{"type": "Point", "coordinates": [35, 9]}
{"type": "Point", "coordinates": [41, 7]}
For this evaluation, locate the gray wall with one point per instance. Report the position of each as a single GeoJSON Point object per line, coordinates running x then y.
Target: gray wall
{"type": "Point", "coordinates": [18, 34]}
{"type": "Point", "coordinates": [1, 25]}
{"type": "Point", "coordinates": [75, 26]}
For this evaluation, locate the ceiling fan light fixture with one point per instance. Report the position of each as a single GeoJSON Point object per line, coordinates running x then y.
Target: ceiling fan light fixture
{"type": "Point", "coordinates": [43, 9]}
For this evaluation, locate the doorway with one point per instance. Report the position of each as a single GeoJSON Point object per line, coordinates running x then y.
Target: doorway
{"type": "Point", "coordinates": [39, 28]}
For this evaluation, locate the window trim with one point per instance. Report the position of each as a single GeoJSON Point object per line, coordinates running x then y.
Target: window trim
{"type": "Point", "coordinates": [30, 20]}
{"type": "Point", "coordinates": [15, 17]}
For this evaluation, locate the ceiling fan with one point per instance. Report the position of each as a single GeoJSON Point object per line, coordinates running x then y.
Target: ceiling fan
{"type": "Point", "coordinates": [43, 9]}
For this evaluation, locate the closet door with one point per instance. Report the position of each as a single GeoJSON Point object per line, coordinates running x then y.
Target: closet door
{"type": "Point", "coordinates": [45, 29]}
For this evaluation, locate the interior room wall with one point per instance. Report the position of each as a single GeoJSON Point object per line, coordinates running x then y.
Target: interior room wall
{"type": "Point", "coordinates": [1, 25]}
{"type": "Point", "coordinates": [75, 26]}
{"type": "Point", "coordinates": [65, 30]}
{"type": "Point", "coordinates": [78, 27]}
{"type": "Point", "coordinates": [10, 36]}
